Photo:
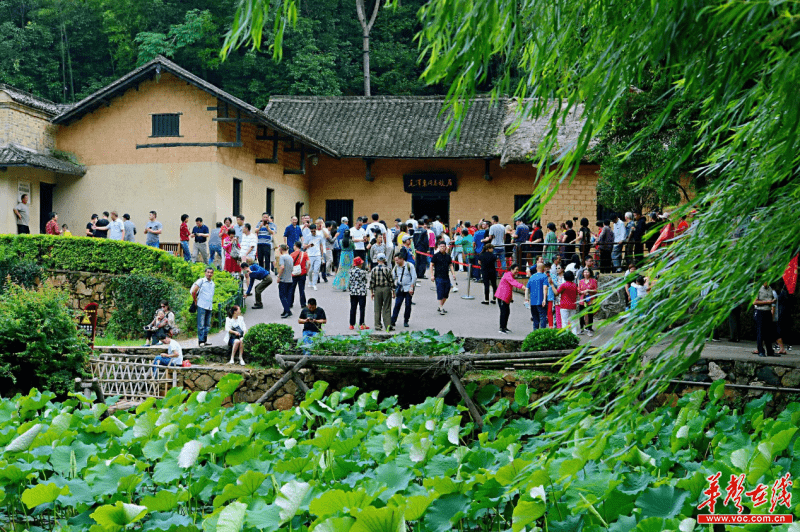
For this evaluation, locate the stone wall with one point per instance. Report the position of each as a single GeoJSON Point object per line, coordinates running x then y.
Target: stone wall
{"type": "Point", "coordinates": [254, 383]}
{"type": "Point", "coordinates": [85, 288]}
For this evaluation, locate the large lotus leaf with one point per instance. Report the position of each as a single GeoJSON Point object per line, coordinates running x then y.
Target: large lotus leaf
{"type": "Point", "coordinates": [168, 522]}
{"type": "Point", "coordinates": [24, 440]}
{"type": "Point", "coordinates": [625, 523]}
{"type": "Point", "coordinates": [121, 514]}
{"type": "Point", "coordinates": [394, 477]}
{"type": "Point", "coordinates": [291, 497]}
{"type": "Point", "coordinates": [663, 501]}
{"type": "Point", "coordinates": [231, 518]}
{"type": "Point", "coordinates": [511, 472]}
{"type": "Point", "coordinates": [163, 501]}
{"type": "Point", "coordinates": [245, 486]}
{"type": "Point", "coordinates": [42, 494]}
{"type": "Point", "coordinates": [335, 524]}
{"type": "Point", "coordinates": [525, 513]}
{"type": "Point", "coordinates": [759, 463]}
{"type": "Point", "coordinates": [167, 471]}
{"type": "Point", "coordinates": [263, 516]}
{"type": "Point", "coordinates": [335, 501]}
{"type": "Point", "coordinates": [104, 480]}
{"type": "Point", "coordinates": [445, 511]}
{"type": "Point", "coordinates": [324, 438]}
{"type": "Point", "coordinates": [189, 453]}
{"type": "Point", "coordinates": [61, 458]}
{"type": "Point", "coordinates": [379, 520]}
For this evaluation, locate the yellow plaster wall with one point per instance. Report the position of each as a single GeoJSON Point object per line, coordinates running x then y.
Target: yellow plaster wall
{"type": "Point", "coordinates": [25, 126]}
{"type": "Point", "coordinates": [475, 198]}
{"type": "Point", "coordinates": [197, 189]}
{"type": "Point", "coordinates": [109, 134]}
{"type": "Point", "coordinates": [9, 198]}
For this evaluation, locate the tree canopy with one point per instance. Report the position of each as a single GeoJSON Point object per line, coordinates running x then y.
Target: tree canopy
{"type": "Point", "coordinates": [739, 60]}
{"type": "Point", "coordinates": [65, 50]}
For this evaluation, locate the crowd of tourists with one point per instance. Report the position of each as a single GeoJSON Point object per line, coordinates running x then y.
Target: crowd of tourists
{"type": "Point", "coordinates": [385, 263]}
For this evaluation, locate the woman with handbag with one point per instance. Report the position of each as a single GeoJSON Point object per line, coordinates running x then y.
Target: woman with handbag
{"type": "Point", "coordinates": [299, 273]}
{"type": "Point", "coordinates": [232, 252]}
{"type": "Point", "coordinates": [235, 330]}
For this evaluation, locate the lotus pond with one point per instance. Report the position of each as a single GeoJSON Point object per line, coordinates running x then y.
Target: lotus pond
{"type": "Point", "coordinates": [355, 462]}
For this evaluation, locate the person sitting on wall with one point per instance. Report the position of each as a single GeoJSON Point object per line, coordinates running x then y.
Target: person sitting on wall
{"type": "Point", "coordinates": [162, 324]}
{"type": "Point", "coordinates": [173, 356]}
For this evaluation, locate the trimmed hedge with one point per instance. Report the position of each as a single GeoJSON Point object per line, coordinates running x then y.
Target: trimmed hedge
{"type": "Point", "coordinates": [99, 255]}
{"type": "Point", "coordinates": [550, 340]}
{"type": "Point", "coordinates": [264, 340]}
{"type": "Point", "coordinates": [102, 255]}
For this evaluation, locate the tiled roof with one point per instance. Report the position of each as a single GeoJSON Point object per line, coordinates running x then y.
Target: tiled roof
{"type": "Point", "coordinates": [522, 135]}
{"type": "Point", "coordinates": [34, 102]}
{"type": "Point", "coordinates": [390, 126]}
{"type": "Point", "coordinates": [162, 64]}
{"type": "Point", "coordinates": [16, 155]}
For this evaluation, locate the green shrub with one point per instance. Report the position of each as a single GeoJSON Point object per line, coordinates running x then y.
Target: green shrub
{"type": "Point", "coordinates": [102, 255]}
{"type": "Point", "coordinates": [137, 297]}
{"type": "Point", "coordinates": [39, 342]}
{"type": "Point", "coordinates": [21, 271]}
{"type": "Point", "coordinates": [550, 340]}
{"type": "Point", "coordinates": [264, 340]}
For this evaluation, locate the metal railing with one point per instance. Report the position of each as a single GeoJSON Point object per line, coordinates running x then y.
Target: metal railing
{"type": "Point", "coordinates": [172, 247]}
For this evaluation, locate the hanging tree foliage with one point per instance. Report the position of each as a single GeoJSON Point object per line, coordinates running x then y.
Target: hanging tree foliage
{"type": "Point", "coordinates": [739, 59]}
{"type": "Point", "coordinates": [624, 182]}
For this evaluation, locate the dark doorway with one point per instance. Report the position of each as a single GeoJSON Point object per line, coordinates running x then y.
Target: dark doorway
{"type": "Point", "coordinates": [335, 209]}
{"type": "Point", "coordinates": [237, 196]}
{"type": "Point", "coordinates": [524, 213]}
{"type": "Point", "coordinates": [45, 204]}
{"type": "Point", "coordinates": [431, 204]}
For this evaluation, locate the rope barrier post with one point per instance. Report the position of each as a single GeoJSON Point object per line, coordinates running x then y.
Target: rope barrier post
{"type": "Point", "coordinates": [469, 282]}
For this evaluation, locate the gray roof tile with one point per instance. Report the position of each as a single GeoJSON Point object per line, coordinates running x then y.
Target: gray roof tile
{"type": "Point", "coordinates": [390, 126]}
{"type": "Point", "coordinates": [28, 99]}
{"type": "Point", "coordinates": [16, 155]}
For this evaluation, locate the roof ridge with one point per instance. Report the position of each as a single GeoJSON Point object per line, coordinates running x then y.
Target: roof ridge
{"type": "Point", "coordinates": [384, 98]}
{"type": "Point", "coordinates": [29, 94]}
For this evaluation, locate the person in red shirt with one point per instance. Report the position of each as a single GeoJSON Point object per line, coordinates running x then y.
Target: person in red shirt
{"type": "Point", "coordinates": [184, 233]}
{"type": "Point", "coordinates": [569, 297]}
{"type": "Point", "coordinates": [299, 258]}
{"type": "Point", "coordinates": [52, 227]}
{"type": "Point", "coordinates": [683, 225]}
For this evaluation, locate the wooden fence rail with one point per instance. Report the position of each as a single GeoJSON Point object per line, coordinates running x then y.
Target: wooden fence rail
{"type": "Point", "coordinates": [133, 378]}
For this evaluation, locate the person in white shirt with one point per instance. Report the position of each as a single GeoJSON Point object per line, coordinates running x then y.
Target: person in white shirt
{"type": "Point", "coordinates": [173, 356]}
{"type": "Point", "coordinates": [437, 226]}
{"type": "Point", "coordinates": [249, 244]}
{"type": "Point", "coordinates": [412, 222]}
{"type": "Point", "coordinates": [359, 236]}
{"type": "Point", "coordinates": [619, 241]}
{"type": "Point", "coordinates": [116, 229]}
{"type": "Point", "coordinates": [235, 330]}
{"type": "Point", "coordinates": [313, 246]}
{"type": "Point", "coordinates": [305, 226]}
{"type": "Point", "coordinates": [376, 227]}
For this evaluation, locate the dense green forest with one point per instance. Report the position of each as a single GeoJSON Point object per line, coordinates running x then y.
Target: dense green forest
{"type": "Point", "coordinates": [64, 50]}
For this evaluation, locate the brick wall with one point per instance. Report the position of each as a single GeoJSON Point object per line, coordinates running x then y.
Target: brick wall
{"type": "Point", "coordinates": [24, 126]}
{"type": "Point", "coordinates": [475, 198]}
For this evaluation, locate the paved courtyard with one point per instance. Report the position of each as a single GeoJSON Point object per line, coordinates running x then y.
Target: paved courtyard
{"type": "Point", "coordinates": [464, 317]}
{"type": "Point", "coordinates": [467, 318]}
